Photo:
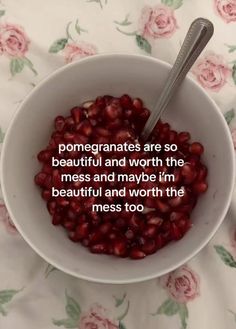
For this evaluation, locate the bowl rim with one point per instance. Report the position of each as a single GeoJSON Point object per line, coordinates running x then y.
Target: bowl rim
{"type": "Point", "coordinates": [91, 278]}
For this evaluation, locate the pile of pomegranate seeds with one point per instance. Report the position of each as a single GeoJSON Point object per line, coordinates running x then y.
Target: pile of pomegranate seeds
{"type": "Point", "coordinates": [124, 234]}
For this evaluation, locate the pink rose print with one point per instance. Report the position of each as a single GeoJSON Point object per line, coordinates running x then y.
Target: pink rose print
{"type": "Point", "coordinates": [157, 22]}
{"type": "Point", "coordinates": [78, 50]}
{"type": "Point", "coordinates": [182, 284]}
{"type": "Point", "coordinates": [226, 9]}
{"type": "Point", "coordinates": [211, 71]}
{"type": "Point", "coordinates": [233, 134]}
{"type": "Point", "coordinates": [13, 40]}
{"type": "Point", "coordinates": [97, 318]}
{"type": "Point", "coordinates": [6, 220]}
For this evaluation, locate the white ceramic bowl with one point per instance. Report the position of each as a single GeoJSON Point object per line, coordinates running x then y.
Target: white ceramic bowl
{"type": "Point", "coordinates": [141, 76]}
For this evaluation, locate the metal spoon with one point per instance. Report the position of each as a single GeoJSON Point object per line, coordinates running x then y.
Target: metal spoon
{"type": "Point", "coordinates": [199, 33]}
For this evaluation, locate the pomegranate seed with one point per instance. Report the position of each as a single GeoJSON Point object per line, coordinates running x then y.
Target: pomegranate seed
{"type": "Point", "coordinates": [144, 115]}
{"type": "Point", "coordinates": [138, 104]}
{"type": "Point", "coordinates": [80, 139]}
{"type": "Point", "coordinates": [193, 160]}
{"type": "Point", "coordinates": [56, 179]}
{"type": "Point", "coordinates": [72, 236]}
{"type": "Point", "coordinates": [82, 231]}
{"type": "Point", "coordinates": [69, 122]}
{"type": "Point", "coordinates": [105, 228]}
{"type": "Point", "coordinates": [85, 128]}
{"type": "Point", "coordinates": [108, 99]}
{"type": "Point", "coordinates": [46, 195]}
{"type": "Point", "coordinates": [100, 248]}
{"type": "Point", "coordinates": [39, 179]}
{"type": "Point", "coordinates": [75, 206]}
{"type": "Point", "coordinates": [77, 114]}
{"type": "Point", "coordinates": [173, 137]}
{"type": "Point", "coordinates": [175, 202]}
{"type": "Point", "coordinates": [126, 101]}
{"type": "Point", "coordinates": [71, 214]}
{"type": "Point", "coordinates": [188, 173]}
{"type": "Point", "coordinates": [62, 202]}
{"type": "Point", "coordinates": [69, 225]}
{"type": "Point", "coordinates": [176, 216]}
{"type": "Point", "coordinates": [45, 156]}
{"type": "Point", "coordinates": [81, 219]}
{"type": "Point", "coordinates": [85, 242]}
{"type": "Point", "coordinates": [48, 182]}
{"type": "Point", "coordinates": [102, 132]}
{"type": "Point", "coordinates": [120, 223]}
{"type": "Point", "coordinates": [149, 247]}
{"type": "Point", "coordinates": [56, 219]}
{"type": "Point", "coordinates": [200, 187]}
{"type": "Point", "coordinates": [123, 135]}
{"type": "Point", "coordinates": [136, 222]}
{"type": "Point", "coordinates": [183, 137]}
{"type": "Point", "coordinates": [95, 237]}
{"type": "Point", "coordinates": [51, 205]}
{"type": "Point", "coordinates": [157, 221]}
{"type": "Point", "coordinates": [175, 232]}
{"type": "Point", "coordinates": [196, 148]}
{"type": "Point", "coordinates": [59, 123]}
{"type": "Point", "coordinates": [68, 136]}
{"type": "Point", "coordinates": [47, 168]}
{"type": "Point", "coordinates": [93, 111]}
{"type": "Point", "coordinates": [136, 253]}
{"type": "Point", "coordinates": [162, 206]}
{"type": "Point", "coordinates": [130, 234]}
{"type": "Point", "coordinates": [112, 112]}
{"type": "Point", "coordinates": [149, 231]}
{"type": "Point", "coordinates": [119, 248]}
{"type": "Point", "coordinates": [202, 173]}
{"type": "Point", "coordinates": [100, 102]}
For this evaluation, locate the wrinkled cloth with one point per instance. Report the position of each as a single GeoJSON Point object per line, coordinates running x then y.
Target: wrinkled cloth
{"type": "Point", "coordinates": [38, 37]}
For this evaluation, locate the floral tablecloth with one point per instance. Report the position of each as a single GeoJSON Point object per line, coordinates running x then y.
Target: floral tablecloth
{"type": "Point", "coordinates": [37, 37]}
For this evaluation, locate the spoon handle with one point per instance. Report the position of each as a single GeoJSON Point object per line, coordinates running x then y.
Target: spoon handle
{"type": "Point", "coordinates": [199, 33]}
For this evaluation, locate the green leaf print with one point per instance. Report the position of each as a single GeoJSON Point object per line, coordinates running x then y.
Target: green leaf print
{"type": "Point", "coordinates": [73, 312]}
{"type": "Point", "coordinates": [121, 325]}
{"type": "Point", "coordinates": [125, 22]}
{"type": "Point", "coordinates": [122, 316]}
{"type": "Point", "coordinates": [183, 314]}
{"type": "Point", "coordinates": [99, 2]}
{"type": "Point", "coordinates": [2, 135]}
{"type": "Point", "coordinates": [7, 295]}
{"type": "Point", "coordinates": [232, 48]}
{"type": "Point", "coordinates": [16, 65]}
{"type": "Point", "coordinates": [234, 73]}
{"type": "Point", "coordinates": [72, 308]}
{"type": "Point", "coordinates": [2, 12]}
{"type": "Point", "coordinates": [169, 307]}
{"type": "Point", "coordinates": [49, 269]}
{"type": "Point", "coordinates": [229, 116]}
{"type": "Point", "coordinates": [67, 323]}
{"type": "Point", "coordinates": [78, 28]}
{"type": "Point", "coordinates": [175, 4]}
{"type": "Point", "coordinates": [233, 313]}
{"type": "Point", "coordinates": [30, 65]}
{"type": "Point", "coordinates": [143, 44]}
{"type": "Point", "coordinates": [225, 256]}
{"type": "Point", "coordinates": [119, 301]}
{"type": "Point", "coordinates": [2, 311]}
{"type": "Point", "coordinates": [58, 45]}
